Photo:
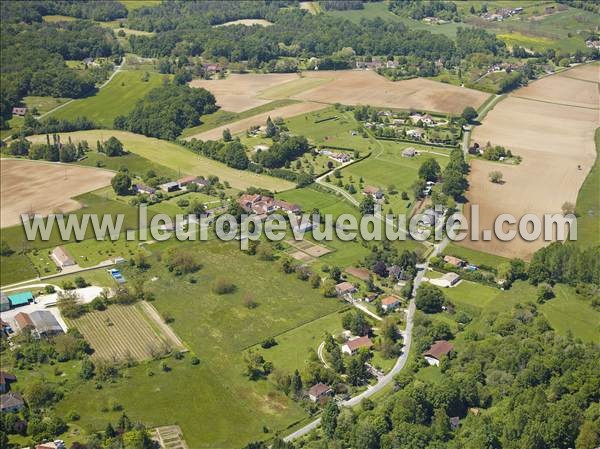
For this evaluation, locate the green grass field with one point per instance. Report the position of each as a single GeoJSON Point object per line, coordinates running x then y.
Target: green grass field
{"type": "Point", "coordinates": [43, 104]}
{"type": "Point", "coordinates": [336, 132]}
{"type": "Point", "coordinates": [380, 10]}
{"type": "Point", "coordinates": [176, 157]}
{"type": "Point", "coordinates": [117, 98]}
{"type": "Point", "coordinates": [216, 394]}
{"type": "Point", "coordinates": [136, 165]}
{"type": "Point", "coordinates": [588, 203]}
{"type": "Point", "coordinates": [136, 4]}
{"type": "Point", "coordinates": [474, 257]}
{"type": "Point", "coordinates": [294, 347]}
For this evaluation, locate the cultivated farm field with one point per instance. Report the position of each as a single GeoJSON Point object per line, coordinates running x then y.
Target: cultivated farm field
{"type": "Point", "coordinates": [177, 158]}
{"type": "Point", "coordinates": [236, 93]}
{"type": "Point", "coordinates": [354, 87]}
{"type": "Point", "coordinates": [44, 187]}
{"type": "Point", "coordinates": [122, 332]}
{"type": "Point", "coordinates": [554, 137]}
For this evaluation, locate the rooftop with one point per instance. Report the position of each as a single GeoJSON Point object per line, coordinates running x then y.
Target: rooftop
{"type": "Point", "coordinates": [439, 348]}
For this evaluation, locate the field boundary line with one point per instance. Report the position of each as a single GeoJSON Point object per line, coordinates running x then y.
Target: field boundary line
{"type": "Point", "coordinates": [555, 103]}
{"type": "Point", "coordinates": [153, 314]}
{"type": "Point", "coordinates": [302, 324]}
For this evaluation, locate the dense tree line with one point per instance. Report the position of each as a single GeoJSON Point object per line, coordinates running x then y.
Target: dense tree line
{"type": "Point", "coordinates": [516, 385]}
{"type": "Point", "coordinates": [341, 5]}
{"type": "Point", "coordinates": [282, 152]}
{"type": "Point", "coordinates": [165, 111]}
{"type": "Point", "coordinates": [231, 153]}
{"type": "Point", "coordinates": [419, 9]}
{"type": "Point", "coordinates": [33, 57]}
{"type": "Point", "coordinates": [185, 28]}
{"type": "Point", "coordinates": [565, 263]}
{"type": "Point", "coordinates": [33, 11]}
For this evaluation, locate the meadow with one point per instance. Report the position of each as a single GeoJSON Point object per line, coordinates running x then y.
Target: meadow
{"type": "Point", "coordinates": [116, 98]}
{"type": "Point", "coordinates": [335, 132]}
{"type": "Point", "coordinates": [217, 329]}
{"type": "Point", "coordinates": [588, 203]}
{"type": "Point", "coordinates": [567, 312]}
{"type": "Point", "coordinates": [135, 164]}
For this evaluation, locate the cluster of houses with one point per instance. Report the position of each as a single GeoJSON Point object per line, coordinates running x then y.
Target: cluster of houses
{"type": "Point", "coordinates": [173, 186]}
{"type": "Point", "coordinates": [263, 205]}
{"type": "Point", "coordinates": [375, 64]}
{"type": "Point", "coordinates": [41, 323]}
{"type": "Point", "coordinates": [501, 13]}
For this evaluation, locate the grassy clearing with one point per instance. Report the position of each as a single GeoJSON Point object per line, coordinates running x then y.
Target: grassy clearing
{"type": "Point", "coordinates": [222, 117]}
{"type": "Point", "coordinates": [137, 165]}
{"type": "Point", "coordinates": [58, 18]}
{"type": "Point", "coordinates": [217, 329]}
{"type": "Point", "coordinates": [117, 98]}
{"type": "Point", "coordinates": [15, 268]}
{"type": "Point", "coordinates": [380, 10]}
{"type": "Point", "coordinates": [43, 104]}
{"type": "Point", "coordinates": [294, 348]}
{"type": "Point", "coordinates": [336, 132]}
{"type": "Point", "coordinates": [588, 203]}
{"type": "Point", "coordinates": [176, 157]}
{"type": "Point", "coordinates": [136, 4]}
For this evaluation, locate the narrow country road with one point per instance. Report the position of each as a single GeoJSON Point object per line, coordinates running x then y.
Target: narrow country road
{"type": "Point", "coordinates": [400, 363]}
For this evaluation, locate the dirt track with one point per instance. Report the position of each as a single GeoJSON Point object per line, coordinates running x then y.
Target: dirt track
{"type": "Point", "coordinates": [44, 187]}
{"type": "Point", "coordinates": [553, 139]}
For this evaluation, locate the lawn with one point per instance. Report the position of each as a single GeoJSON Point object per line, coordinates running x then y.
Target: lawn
{"type": "Point", "coordinates": [474, 257]}
{"type": "Point", "coordinates": [223, 409]}
{"type": "Point", "coordinates": [117, 98]}
{"type": "Point", "coordinates": [336, 132]}
{"type": "Point", "coordinates": [294, 347]}
{"type": "Point", "coordinates": [136, 4]}
{"type": "Point", "coordinates": [588, 203]}
{"type": "Point", "coordinates": [15, 268]}
{"type": "Point", "coordinates": [176, 157]}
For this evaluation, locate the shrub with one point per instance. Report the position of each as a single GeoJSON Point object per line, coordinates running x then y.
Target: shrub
{"type": "Point", "coordinates": [223, 287]}
{"type": "Point", "coordinates": [195, 361]}
{"type": "Point", "coordinates": [268, 343]}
